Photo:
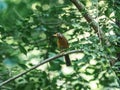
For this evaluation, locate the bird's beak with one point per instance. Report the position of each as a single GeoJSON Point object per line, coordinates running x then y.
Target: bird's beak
{"type": "Point", "coordinates": [55, 35]}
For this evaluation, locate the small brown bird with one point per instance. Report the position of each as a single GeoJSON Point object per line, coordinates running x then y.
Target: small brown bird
{"type": "Point", "coordinates": [63, 44]}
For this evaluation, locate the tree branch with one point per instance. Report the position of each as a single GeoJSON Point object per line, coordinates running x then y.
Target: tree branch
{"type": "Point", "coordinates": [34, 67]}
{"type": "Point", "coordinates": [90, 20]}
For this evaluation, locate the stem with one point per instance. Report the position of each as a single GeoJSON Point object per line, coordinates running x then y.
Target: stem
{"type": "Point", "coordinates": [34, 67]}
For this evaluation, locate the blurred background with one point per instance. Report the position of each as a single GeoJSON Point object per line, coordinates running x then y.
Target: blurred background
{"type": "Point", "coordinates": [26, 29]}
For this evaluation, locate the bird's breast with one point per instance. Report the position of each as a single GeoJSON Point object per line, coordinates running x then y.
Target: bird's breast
{"type": "Point", "coordinates": [62, 43]}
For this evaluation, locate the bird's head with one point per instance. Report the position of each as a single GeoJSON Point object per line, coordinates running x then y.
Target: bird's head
{"type": "Point", "coordinates": [59, 35]}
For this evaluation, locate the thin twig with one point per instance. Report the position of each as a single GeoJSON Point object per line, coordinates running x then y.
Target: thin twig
{"type": "Point", "coordinates": [34, 67]}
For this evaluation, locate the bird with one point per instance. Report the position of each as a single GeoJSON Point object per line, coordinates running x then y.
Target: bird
{"type": "Point", "coordinates": [62, 44]}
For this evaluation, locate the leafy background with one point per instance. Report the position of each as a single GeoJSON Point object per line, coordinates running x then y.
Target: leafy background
{"type": "Point", "coordinates": [26, 29]}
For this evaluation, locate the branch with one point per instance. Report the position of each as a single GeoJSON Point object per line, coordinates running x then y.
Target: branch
{"type": "Point", "coordinates": [34, 67]}
{"type": "Point", "coordinates": [90, 20]}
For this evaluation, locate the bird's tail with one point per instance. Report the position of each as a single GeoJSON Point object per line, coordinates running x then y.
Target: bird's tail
{"type": "Point", "coordinates": [67, 59]}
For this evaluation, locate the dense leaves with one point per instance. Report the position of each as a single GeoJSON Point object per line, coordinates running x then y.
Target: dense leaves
{"type": "Point", "coordinates": [26, 39]}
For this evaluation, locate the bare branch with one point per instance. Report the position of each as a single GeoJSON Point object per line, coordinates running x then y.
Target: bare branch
{"type": "Point", "coordinates": [34, 67]}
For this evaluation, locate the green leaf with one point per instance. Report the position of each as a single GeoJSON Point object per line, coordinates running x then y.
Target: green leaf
{"type": "Point", "coordinates": [25, 40]}
{"type": "Point", "coordinates": [108, 12]}
{"type": "Point", "coordinates": [117, 64]}
{"type": "Point", "coordinates": [22, 49]}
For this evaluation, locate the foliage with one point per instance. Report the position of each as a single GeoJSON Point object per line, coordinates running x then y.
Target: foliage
{"type": "Point", "coordinates": [26, 29]}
